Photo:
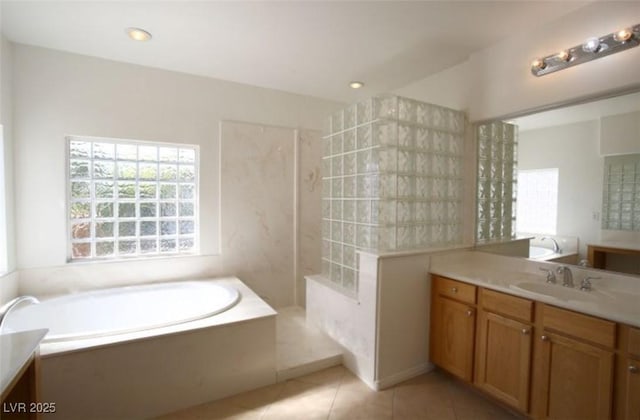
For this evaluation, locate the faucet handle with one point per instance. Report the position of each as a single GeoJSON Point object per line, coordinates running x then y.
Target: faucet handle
{"type": "Point", "coordinates": [551, 276]}
{"type": "Point", "coordinates": [585, 286]}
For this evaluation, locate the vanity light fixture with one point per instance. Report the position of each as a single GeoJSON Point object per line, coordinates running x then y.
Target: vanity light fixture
{"type": "Point", "coordinates": [355, 84]}
{"type": "Point", "coordinates": [592, 48]}
{"type": "Point", "coordinates": [138, 34]}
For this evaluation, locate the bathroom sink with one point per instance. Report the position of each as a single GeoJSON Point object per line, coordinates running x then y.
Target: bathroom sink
{"type": "Point", "coordinates": [557, 291]}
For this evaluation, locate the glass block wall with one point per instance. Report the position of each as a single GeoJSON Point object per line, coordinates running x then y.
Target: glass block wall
{"type": "Point", "coordinates": [392, 180]}
{"type": "Point", "coordinates": [497, 181]}
{"type": "Point", "coordinates": [621, 193]}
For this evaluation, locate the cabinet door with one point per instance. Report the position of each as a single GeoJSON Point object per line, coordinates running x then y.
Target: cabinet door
{"type": "Point", "coordinates": [578, 379]}
{"type": "Point", "coordinates": [631, 390]}
{"type": "Point", "coordinates": [503, 362]}
{"type": "Point", "coordinates": [452, 338]}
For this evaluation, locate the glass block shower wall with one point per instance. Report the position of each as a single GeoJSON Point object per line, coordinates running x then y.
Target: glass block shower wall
{"type": "Point", "coordinates": [621, 193]}
{"type": "Point", "coordinates": [392, 180]}
{"type": "Point", "coordinates": [497, 181]}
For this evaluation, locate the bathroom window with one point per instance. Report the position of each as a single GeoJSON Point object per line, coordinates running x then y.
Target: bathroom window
{"type": "Point", "coordinates": [131, 199]}
{"type": "Point", "coordinates": [537, 201]}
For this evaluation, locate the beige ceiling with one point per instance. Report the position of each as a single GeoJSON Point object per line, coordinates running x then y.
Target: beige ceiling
{"type": "Point", "coordinates": [306, 47]}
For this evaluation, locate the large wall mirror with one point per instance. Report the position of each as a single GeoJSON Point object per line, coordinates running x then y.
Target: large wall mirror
{"type": "Point", "coordinates": [578, 183]}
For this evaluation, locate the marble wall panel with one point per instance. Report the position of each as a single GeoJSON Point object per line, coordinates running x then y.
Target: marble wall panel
{"type": "Point", "coordinates": [309, 252]}
{"type": "Point", "coordinates": [257, 208]}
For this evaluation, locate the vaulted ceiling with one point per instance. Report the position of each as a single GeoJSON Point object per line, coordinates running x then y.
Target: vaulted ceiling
{"type": "Point", "coordinates": [307, 47]}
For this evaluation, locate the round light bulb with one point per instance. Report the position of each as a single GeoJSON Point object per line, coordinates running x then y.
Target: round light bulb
{"type": "Point", "coordinates": [591, 45]}
{"type": "Point", "coordinates": [356, 85]}
{"type": "Point", "coordinates": [623, 35]}
{"type": "Point", "coordinates": [138, 34]}
{"type": "Point", "coordinates": [538, 64]}
{"type": "Point", "coordinates": [564, 55]}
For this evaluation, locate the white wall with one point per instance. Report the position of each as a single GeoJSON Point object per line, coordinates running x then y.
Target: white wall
{"type": "Point", "coordinates": [497, 81]}
{"type": "Point", "coordinates": [575, 150]}
{"type": "Point", "coordinates": [620, 134]}
{"type": "Point", "coordinates": [450, 88]}
{"type": "Point", "coordinates": [8, 283]}
{"type": "Point", "coordinates": [58, 93]}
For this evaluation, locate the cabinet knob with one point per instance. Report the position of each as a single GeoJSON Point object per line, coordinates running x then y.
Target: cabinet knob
{"type": "Point", "coordinates": [454, 289]}
{"type": "Point", "coordinates": [469, 312]}
{"type": "Point", "coordinates": [544, 338]}
{"type": "Point", "coordinates": [525, 331]}
{"type": "Point", "coordinates": [633, 369]}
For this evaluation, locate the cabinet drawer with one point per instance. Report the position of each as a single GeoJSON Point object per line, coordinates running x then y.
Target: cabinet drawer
{"type": "Point", "coordinates": [585, 327]}
{"type": "Point", "coordinates": [511, 306]}
{"type": "Point", "coordinates": [455, 290]}
{"type": "Point", "coordinates": [633, 345]}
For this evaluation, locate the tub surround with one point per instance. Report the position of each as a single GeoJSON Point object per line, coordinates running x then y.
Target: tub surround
{"type": "Point", "coordinates": [568, 248]}
{"type": "Point", "coordinates": [250, 307]}
{"type": "Point", "coordinates": [148, 373]}
{"type": "Point", "coordinates": [518, 247]}
{"type": "Point", "coordinates": [8, 287]}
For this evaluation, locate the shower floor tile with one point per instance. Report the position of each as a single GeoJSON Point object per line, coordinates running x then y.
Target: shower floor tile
{"type": "Point", "coordinates": [302, 348]}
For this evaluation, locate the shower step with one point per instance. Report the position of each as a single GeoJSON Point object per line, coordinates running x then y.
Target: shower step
{"type": "Point", "coordinates": [302, 348]}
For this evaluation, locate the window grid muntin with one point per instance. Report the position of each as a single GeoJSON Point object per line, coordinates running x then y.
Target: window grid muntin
{"type": "Point", "coordinates": [180, 162]}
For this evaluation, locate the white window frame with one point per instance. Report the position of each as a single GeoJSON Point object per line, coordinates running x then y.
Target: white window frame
{"type": "Point", "coordinates": [92, 239]}
{"type": "Point", "coordinates": [542, 202]}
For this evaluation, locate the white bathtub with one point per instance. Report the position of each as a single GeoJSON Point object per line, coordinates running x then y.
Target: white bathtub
{"type": "Point", "coordinates": [123, 310]}
{"type": "Point", "coordinates": [180, 358]}
{"type": "Point", "coordinates": [538, 252]}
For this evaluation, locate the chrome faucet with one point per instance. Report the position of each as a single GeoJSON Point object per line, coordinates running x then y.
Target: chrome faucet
{"type": "Point", "coordinates": [556, 247]}
{"type": "Point", "coordinates": [10, 306]}
{"type": "Point", "coordinates": [551, 276]}
{"type": "Point", "coordinates": [585, 286]}
{"type": "Point", "coordinates": [567, 276]}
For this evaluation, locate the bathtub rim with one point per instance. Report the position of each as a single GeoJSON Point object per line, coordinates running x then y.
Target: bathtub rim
{"type": "Point", "coordinates": [249, 307]}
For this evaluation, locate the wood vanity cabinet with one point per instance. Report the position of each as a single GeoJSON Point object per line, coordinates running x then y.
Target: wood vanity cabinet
{"type": "Point", "coordinates": [453, 319]}
{"type": "Point", "coordinates": [574, 365]}
{"type": "Point", "coordinates": [545, 361]}
{"type": "Point", "coordinates": [504, 347]}
{"type": "Point", "coordinates": [627, 389]}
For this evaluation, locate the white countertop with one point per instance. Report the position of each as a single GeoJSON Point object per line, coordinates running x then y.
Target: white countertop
{"type": "Point", "coordinates": [16, 350]}
{"type": "Point", "coordinates": [610, 299]}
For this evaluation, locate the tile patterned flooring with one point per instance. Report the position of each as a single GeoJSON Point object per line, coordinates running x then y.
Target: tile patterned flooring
{"type": "Point", "coordinates": [335, 393]}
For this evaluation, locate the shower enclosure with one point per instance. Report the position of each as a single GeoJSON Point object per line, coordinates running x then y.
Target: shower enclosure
{"type": "Point", "coordinates": [392, 180]}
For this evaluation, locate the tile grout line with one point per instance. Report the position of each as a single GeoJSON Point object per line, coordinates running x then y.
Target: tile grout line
{"type": "Point", "coordinates": [276, 398]}
{"type": "Point", "coordinates": [393, 402]}
{"type": "Point", "coordinates": [336, 393]}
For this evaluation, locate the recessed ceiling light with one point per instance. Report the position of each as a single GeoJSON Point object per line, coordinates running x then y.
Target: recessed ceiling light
{"type": "Point", "coordinates": [138, 34]}
{"type": "Point", "coordinates": [356, 85]}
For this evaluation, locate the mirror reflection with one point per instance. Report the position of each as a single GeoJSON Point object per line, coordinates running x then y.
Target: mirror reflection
{"type": "Point", "coordinates": [579, 183]}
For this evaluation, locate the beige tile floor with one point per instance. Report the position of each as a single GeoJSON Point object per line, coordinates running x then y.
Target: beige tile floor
{"type": "Point", "coordinates": [335, 393]}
